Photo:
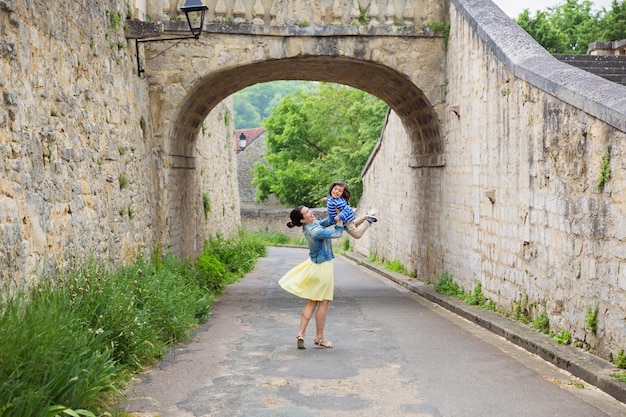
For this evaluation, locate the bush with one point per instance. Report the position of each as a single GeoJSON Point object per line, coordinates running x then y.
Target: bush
{"type": "Point", "coordinates": [75, 339]}
{"type": "Point", "coordinates": [238, 255]}
{"type": "Point", "coordinates": [211, 272]}
{"type": "Point", "coordinates": [445, 285]}
{"type": "Point", "coordinates": [541, 322]}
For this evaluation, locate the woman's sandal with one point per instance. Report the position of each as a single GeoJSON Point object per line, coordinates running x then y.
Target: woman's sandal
{"type": "Point", "coordinates": [300, 340]}
{"type": "Point", "coordinates": [323, 343]}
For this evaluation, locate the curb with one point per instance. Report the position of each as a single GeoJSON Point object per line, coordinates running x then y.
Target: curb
{"type": "Point", "coordinates": [592, 369]}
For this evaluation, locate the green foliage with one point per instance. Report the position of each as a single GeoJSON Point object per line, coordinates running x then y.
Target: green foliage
{"type": "Point", "coordinates": [619, 375]}
{"type": "Point", "coordinates": [563, 338]}
{"type": "Point", "coordinates": [237, 255]}
{"type": "Point", "coordinates": [115, 19]}
{"type": "Point", "coordinates": [605, 171]}
{"type": "Point", "coordinates": [76, 338]}
{"type": "Point", "coordinates": [392, 265]}
{"type": "Point", "coordinates": [443, 28]}
{"type": "Point", "coordinates": [345, 244]}
{"type": "Point", "coordinates": [396, 266]}
{"type": "Point", "coordinates": [541, 322]}
{"type": "Point", "coordinates": [363, 19]}
{"type": "Point", "coordinates": [123, 181]}
{"type": "Point", "coordinates": [315, 138]}
{"type": "Point", "coordinates": [206, 205]}
{"type": "Point", "coordinates": [211, 272]}
{"type": "Point", "coordinates": [446, 285]}
{"type": "Point", "coordinates": [620, 359]}
{"type": "Point", "coordinates": [520, 310]}
{"type": "Point", "coordinates": [254, 104]}
{"type": "Point", "coordinates": [614, 22]}
{"type": "Point", "coordinates": [591, 318]}
{"type": "Point", "coordinates": [570, 27]}
{"type": "Point", "coordinates": [476, 297]}
{"type": "Point", "coordinates": [142, 125]}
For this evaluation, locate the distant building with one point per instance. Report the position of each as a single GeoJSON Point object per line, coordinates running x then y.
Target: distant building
{"type": "Point", "coordinates": [246, 158]}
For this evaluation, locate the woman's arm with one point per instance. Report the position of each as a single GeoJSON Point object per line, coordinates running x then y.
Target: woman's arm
{"type": "Point", "coordinates": [326, 222]}
{"type": "Point", "coordinates": [319, 232]}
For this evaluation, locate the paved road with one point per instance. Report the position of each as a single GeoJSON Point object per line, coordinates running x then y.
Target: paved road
{"type": "Point", "coordinates": [395, 354]}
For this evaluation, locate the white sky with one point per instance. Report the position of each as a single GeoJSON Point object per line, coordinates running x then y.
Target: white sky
{"type": "Point", "coordinates": [514, 7]}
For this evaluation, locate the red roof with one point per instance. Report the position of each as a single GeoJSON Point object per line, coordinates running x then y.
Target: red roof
{"type": "Point", "coordinates": [251, 135]}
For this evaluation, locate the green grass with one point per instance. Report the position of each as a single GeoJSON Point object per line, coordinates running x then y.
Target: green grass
{"type": "Point", "coordinates": [619, 375]}
{"type": "Point", "coordinates": [620, 359]}
{"type": "Point", "coordinates": [394, 265]}
{"type": "Point", "coordinates": [446, 285]}
{"type": "Point", "coordinates": [541, 322]}
{"type": "Point", "coordinates": [591, 318]}
{"type": "Point", "coordinates": [75, 339]}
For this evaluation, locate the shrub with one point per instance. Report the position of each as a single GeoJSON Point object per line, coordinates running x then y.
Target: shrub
{"type": "Point", "coordinates": [76, 338]}
{"type": "Point", "coordinates": [445, 285]}
{"type": "Point", "coordinates": [541, 322]}
{"type": "Point", "coordinates": [211, 272]}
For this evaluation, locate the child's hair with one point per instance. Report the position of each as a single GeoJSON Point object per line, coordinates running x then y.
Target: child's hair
{"type": "Point", "coordinates": [296, 217]}
{"type": "Point", "coordinates": [346, 190]}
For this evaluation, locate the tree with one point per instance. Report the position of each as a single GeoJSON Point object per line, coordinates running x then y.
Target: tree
{"type": "Point", "coordinates": [253, 104]}
{"type": "Point", "coordinates": [614, 23]}
{"type": "Point", "coordinates": [570, 27]}
{"type": "Point", "coordinates": [316, 138]}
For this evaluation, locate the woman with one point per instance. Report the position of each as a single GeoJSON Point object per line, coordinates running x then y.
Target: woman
{"type": "Point", "coordinates": [313, 279]}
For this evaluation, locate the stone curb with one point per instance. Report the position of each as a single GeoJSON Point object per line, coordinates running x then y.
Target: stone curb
{"type": "Point", "coordinates": [592, 369]}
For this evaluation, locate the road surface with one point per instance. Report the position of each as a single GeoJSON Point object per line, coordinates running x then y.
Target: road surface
{"type": "Point", "coordinates": [395, 354]}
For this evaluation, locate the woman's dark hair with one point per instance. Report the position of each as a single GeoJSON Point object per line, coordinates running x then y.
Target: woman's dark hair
{"type": "Point", "coordinates": [296, 217]}
{"type": "Point", "coordinates": [346, 191]}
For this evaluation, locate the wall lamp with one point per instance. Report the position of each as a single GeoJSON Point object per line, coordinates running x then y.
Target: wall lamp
{"type": "Point", "coordinates": [243, 141]}
{"type": "Point", "coordinates": [191, 8]}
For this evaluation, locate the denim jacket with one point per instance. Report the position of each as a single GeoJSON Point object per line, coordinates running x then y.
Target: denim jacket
{"type": "Point", "coordinates": [319, 239]}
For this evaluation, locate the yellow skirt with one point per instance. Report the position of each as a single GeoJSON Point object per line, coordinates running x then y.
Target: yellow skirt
{"type": "Point", "coordinates": [310, 280]}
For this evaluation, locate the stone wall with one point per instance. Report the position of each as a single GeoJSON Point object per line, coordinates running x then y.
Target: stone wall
{"type": "Point", "coordinates": [516, 207]}
{"type": "Point", "coordinates": [246, 160]}
{"type": "Point", "coordinates": [274, 220]}
{"type": "Point", "coordinates": [81, 171]}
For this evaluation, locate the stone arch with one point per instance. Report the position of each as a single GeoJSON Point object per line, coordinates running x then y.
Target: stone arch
{"type": "Point", "coordinates": [407, 100]}
{"type": "Point", "coordinates": [416, 112]}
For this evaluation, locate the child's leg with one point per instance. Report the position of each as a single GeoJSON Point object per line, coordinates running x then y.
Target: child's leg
{"type": "Point", "coordinates": [359, 220]}
{"type": "Point", "coordinates": [357, 231]}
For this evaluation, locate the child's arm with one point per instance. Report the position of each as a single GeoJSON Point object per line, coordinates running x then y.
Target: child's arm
{"type": "Point", "coordinates": [340, 207]}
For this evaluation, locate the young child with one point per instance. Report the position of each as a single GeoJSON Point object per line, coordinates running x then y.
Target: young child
{"type": "Point", "coordinates": [338, 206]}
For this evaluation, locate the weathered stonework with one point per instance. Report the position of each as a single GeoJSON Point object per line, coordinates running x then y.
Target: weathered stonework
{"type": "Point", "coordinates": [246, 160]}
{"type": "Point", "coordinates": [515, 207]}
{"type": "Point", "coordinates": [486, 169]}
{"type": "Point", "coordinates": [81, 172]}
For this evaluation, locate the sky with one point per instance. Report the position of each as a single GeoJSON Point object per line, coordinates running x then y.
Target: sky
{"type": "Point", "coordinates": [514, 7]}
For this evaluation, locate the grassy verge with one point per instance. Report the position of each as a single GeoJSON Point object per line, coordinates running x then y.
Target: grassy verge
{"type": "Point", "coordinates": [70, 344]}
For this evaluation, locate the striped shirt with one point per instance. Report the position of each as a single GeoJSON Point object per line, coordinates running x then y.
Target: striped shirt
{"type": "Point", "coordinates": [332, 204]}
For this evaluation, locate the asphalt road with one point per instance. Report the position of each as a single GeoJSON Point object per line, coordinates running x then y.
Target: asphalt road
{"type": "Point", "coordinates": [395, 354]}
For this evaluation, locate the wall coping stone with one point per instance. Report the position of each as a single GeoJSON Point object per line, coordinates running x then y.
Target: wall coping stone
{"type": "Point", "coordinates": [136, 29]}
{"type": "Point", "coordinates": [529, 61]}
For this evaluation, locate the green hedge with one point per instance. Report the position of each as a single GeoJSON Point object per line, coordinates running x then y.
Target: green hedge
{"type": "Point", "coordinates": [70, 344]}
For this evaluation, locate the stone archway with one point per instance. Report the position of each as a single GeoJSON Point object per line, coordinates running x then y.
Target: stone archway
{"type": "Point", "coordinates": [404, 71]}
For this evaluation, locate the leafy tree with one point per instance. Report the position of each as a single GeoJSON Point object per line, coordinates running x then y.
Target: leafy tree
{"type": "Point", "coordinates": [569, 28]}
{"type": "Point", "coordinates": [246, 115]}
{"type": "Point", "coordinates": [542, 30]}
{"type": "Point", "coordinates": [315, 138]}
{"type": "Point", "coordinates": [253, 104]}
{"type": "Point", "coordinates": [614, 22]}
